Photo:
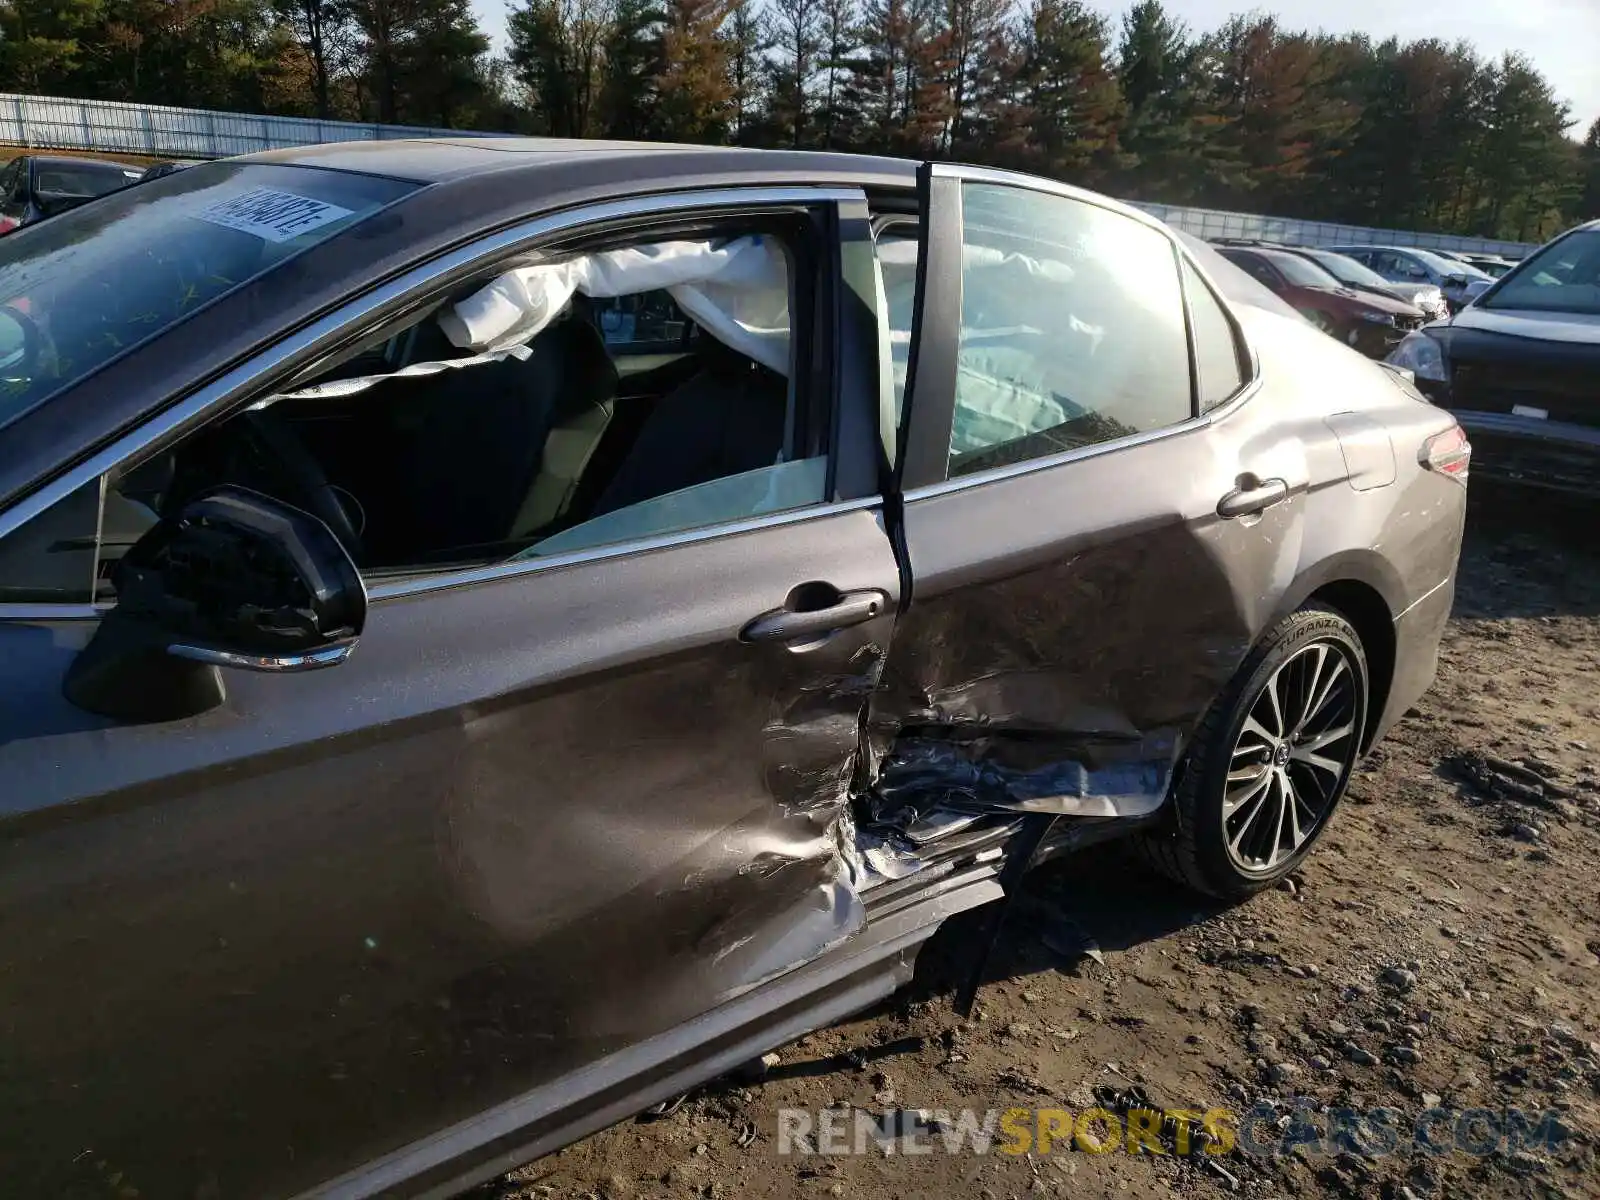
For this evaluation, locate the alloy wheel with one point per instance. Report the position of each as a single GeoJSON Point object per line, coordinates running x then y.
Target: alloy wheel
{"type": "Point", "coordinates": [1292, 758]}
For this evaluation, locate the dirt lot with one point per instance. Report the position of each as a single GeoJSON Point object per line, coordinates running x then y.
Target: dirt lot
{"type": "Point", "coordinates": [1438, 952]}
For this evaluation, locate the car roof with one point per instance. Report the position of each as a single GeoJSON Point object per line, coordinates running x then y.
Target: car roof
{"type": "Point", "coordinates": [446, 160]}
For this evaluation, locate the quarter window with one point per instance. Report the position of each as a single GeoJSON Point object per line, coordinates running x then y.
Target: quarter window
{"type": "Point", "coordinates": [1219, 362]}
{"type": "Point", "coordinates": [1072, 329]}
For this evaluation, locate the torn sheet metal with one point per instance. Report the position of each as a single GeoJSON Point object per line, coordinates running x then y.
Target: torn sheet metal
{"type": "Point", "coordinates": [1001, 773]}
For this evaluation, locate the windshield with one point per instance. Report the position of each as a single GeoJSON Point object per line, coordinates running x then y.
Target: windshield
{"type": "Point", "coordinates": [1563, 277]}
{"type": "Point", "coordinates": [1300, 271]}
{"type": "Point", "coordinates": [79, 179]}
{"type": "Point", "coordinates": [1448, 266]}
{"type": "Point", "coordinates": [1348, 269]}
{"type": "Point", "coordinates": [86, 287]}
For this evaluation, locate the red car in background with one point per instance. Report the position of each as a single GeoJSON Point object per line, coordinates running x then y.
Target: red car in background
{"type": "Point", "coordinates": [1373, 324]}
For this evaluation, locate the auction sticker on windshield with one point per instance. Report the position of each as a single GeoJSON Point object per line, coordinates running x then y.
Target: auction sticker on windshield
{"type": "Point", "coordinates": [272, 215]}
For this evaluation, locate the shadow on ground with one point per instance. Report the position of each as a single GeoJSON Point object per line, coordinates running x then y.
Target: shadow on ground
{"type": "Point", "coordinates": [1528, 554]}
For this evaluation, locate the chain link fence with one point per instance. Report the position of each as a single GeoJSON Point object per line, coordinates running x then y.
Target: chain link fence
{"type": "Point", "coordinates": [111, 127]}
{"type": "Point", "coordinates": [1210, 223]}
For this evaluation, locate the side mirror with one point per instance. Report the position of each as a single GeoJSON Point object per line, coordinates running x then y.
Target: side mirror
{"type": "Point", "coordinates": [19, 344]}
{"type": "Point", "coordinates": [1456, 281]}
{"type": "Point", "coordinates": [236, 579]}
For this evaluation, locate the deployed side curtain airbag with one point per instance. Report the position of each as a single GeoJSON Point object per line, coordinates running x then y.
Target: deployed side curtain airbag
{"type": "Point", "coordinates": [736, 291]}
{"type": "Point", "coordinates": [1003, 392]}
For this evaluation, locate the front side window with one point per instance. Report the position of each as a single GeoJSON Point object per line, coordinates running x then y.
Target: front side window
{"type": "Point", "coordinates": [1449, 266]}
{"type": "Point", "coordinates": [1072, 328]}
{"type": "Point", "coordinates": [78, 290]}
{"type": "Point", "coordinates": [1348, 270]}
{"type": "Point", "coordinates": [1400, 266]}
{"type": "Point", "coordinates": [499, 425]}
{"type": "Point", "coordinates": [1302, 272]}
{"type": "Point", "coordinates": [1260, 271]}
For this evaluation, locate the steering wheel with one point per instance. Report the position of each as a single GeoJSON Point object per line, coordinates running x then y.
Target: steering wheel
{"type": "Point", "coordinates": [302, 474]}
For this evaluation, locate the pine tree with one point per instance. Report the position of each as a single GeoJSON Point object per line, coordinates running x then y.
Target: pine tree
{"type": "Point", "coordinates": [836, 39]}
{"type": "Point", "coordinates": [1524, 154]}
{"type": "Point", "coordinates": [795, 35]}
{"type": "Point", "coordinates": [695, 83]}
{"type": "Point", "coordinates": [1587, 207]}
{"type": "Point", "coordinates": [1075, 105]}
{"type": "Point", "coordinates": [1163, 137]}
{"type": "Point", "coordinates": [878, 71]}
{"type": "Point", "coordinates": [632, 63]}
{"type": "Point", "coordinates": [744, 37]}
{"type": "Point", "coordinates": [557, 54]}
{"type": "Point", "coordinates": [321, 28]}
{"type": "Point", "coordinates": [972, 28]}
{"type": "Point", "coordinates": [42, 42]}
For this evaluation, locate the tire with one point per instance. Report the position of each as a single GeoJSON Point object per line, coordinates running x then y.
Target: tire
{"type": "Point", "coordinates": [1221, 837]}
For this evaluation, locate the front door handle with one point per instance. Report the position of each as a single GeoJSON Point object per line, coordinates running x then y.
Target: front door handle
{"type": "Point", "coordinates": [839, 611]}
{"type": "Point", "coordinates": [1244, 501]}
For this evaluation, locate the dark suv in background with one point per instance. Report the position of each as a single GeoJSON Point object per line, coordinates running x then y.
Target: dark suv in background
{"type": "Point", "coordinates": [1372, 323]}
{"type": "Point", "coordinates": [1520, 367]}
{"type": "Point", "coordinates": [35, 187]}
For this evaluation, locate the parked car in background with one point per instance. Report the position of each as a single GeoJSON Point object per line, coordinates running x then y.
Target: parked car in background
{"type": "Point", "coordinates": [1521, 368]}
{"type": "Point", "coordinates": [1349, 272]}
{"type": "Point", "coordinates": [442, 719]}
{"type": "Point", "coordinates": [33, 187]}
{"type": "Point", "coordinates": [1370, 321]}
{"type": "Point", "coordinates": [1460, 282]}
{"type": "Point", "coordinates": [1492, 265]}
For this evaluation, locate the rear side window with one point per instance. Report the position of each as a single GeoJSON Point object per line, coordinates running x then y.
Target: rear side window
{"type": "Point", "coordinates": [1072, 328]}
{"type": "Point", "coordinates": [80, 289]}
{"type": "Point", "coordinates": [1219, 361]}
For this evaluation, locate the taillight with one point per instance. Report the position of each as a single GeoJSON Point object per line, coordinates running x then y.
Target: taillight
{"type": "Point", "coordinates": [1448, 453]}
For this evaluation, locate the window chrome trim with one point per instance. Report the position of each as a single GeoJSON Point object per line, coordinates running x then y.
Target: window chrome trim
{"type": "Point", "coordinates": [311, 660]}
{"type": "Point", "coordinates": [322, 333]}
{"type": "Point", "coordinates": [421, 584]}
{"type": "Point", "coordinates": [1034, 183]}
{"type": "Point", "coordinates": [996, 474]}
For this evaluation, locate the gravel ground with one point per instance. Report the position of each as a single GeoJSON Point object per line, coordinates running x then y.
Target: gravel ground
{"type": "Point", "coordinates": [1438, 952]}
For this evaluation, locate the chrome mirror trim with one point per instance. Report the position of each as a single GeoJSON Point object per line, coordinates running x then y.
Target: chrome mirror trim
{"type": "Point", "coordinates": [279, 664]}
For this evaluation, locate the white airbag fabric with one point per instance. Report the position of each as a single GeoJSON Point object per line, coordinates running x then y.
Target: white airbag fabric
{"type": "Point", "coordinates": [736, 291]}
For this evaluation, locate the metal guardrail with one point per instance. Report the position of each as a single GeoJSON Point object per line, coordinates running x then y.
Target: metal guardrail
{"type": "Point", "coordinates": [112, 127]}
{"type": "Point", "coordinates": [1209, 223]}
{"type": "Point", "coordinates": [108, 126]}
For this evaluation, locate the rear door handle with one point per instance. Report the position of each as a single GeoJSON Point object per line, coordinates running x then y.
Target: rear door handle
{"type": "Point", "coordinates": [787, 624]}
{"type": "Point", "coordinates": [1242, 502]}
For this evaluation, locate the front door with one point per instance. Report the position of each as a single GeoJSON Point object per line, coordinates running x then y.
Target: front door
{"type": "Point", "coordinates": [548, 809]}
{"type": "Point", "coordinates": [1098, 522]}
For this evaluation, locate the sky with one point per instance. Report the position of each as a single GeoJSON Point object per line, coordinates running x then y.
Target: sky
{"type": "Point", "coordinates": [1561, 37]}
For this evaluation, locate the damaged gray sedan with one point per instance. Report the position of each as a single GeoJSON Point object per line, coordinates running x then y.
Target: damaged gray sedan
{"type": "Point", "coordinates": [499, 632]}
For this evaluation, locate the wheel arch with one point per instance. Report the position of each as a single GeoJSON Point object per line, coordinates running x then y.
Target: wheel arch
{"type": "Point", "coordinates": [1370, 594]}
{"type": "Point", "coordinates": [1366, 609]}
